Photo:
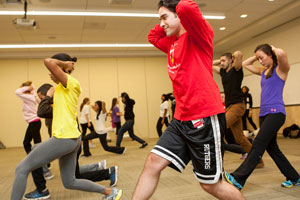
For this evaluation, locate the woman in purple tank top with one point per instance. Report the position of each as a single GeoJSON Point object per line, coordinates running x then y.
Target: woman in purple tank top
{"type": "Point", "coordinates": [274, 71]}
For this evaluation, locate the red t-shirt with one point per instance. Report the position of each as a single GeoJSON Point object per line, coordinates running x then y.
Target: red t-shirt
{"type": "Point", "coordinates": [190, 64]}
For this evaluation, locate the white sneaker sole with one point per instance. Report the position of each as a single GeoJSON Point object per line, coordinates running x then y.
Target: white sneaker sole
{"type": "Point", "coordinates": [41, 198]}
{"type": "Point", "coordinates": [116, 176]}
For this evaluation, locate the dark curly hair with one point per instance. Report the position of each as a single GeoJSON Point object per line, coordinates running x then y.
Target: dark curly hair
{"type": "Point", "coordinates": [247, 89]}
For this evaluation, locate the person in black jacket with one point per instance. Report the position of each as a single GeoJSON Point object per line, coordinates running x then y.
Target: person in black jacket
{"type": "Point", "coordinates": [248, 114]}
{"type": "Point", "coordinates": [129, 121]}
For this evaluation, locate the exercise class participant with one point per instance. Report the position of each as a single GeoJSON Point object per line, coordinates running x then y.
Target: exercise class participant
{"type": "Point", "coordinates": [199, 122]}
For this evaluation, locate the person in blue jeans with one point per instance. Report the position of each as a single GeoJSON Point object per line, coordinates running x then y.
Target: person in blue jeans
{"type": "Point", "coordinates": [271, 117]}
{"type": "Point", "coordinates": [129, 122]}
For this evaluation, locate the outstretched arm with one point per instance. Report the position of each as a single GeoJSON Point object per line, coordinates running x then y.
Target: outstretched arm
{"type": "Point", "coordinates": [248, 64]}
{"type": "Point", "coordinates": [237, 60]}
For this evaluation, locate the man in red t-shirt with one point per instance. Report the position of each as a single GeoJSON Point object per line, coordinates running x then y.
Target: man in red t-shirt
{"type": "Point", "coordinates": [199, 121]}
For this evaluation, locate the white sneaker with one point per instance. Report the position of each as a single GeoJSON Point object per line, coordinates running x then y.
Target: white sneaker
{"type": "Point", "coordinates": [102, 165]}
{"type": "Point", "coordinates": [123, 151]}
{"type": "Point", "coordinates": [256, 132]}
{"type": "Point", "coordinates": [244, 156]}
{"type": "Point", "coordinates": [48, 175]}
{"type": "Point", "coordinates": [246, 133]}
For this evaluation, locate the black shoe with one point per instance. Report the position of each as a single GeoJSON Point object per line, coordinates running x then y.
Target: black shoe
{"type": "Point", "coordinates": [36, 195]}
{"type": "Point", "coordinates": [123, 152]}
{"type": "Point", "coordinates": [113, 176]}
{"type": "Point", "coordinates": [144, 145]}
{"type": "Point", "coordinates": [88, 155]}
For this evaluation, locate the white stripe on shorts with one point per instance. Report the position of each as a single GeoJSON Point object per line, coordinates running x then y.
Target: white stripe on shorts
{"type": "Point", "coordinates": [172, 160]}
{"type": "Point", "coordinates": [170, 152]}
{"type": "Point", "coordinates": [217, 137]}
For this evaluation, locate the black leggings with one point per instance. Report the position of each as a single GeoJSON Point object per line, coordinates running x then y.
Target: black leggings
{"type": "Point", "coordinates": [32, 133]}
{"type": "Point", "coordinates": [159, 125]}
{"type": "Point", "coordinates": [84, 128]}
{"type": "Point", "coordinates": [103, 141]}
{"type": "Point", "coordinates": [97, 175]}
{"type": "Point", "coordinates": [245, 117]}
{"type": "Point", "coordinates": [266, 139]}
{"type": "Point", "coordinates": [118, 126]}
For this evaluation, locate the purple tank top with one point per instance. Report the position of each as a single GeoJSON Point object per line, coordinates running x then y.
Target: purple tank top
{"type": "Point", "coordinates": [271, 100]}
{"type": "Point", "coordinates": [115, 117]}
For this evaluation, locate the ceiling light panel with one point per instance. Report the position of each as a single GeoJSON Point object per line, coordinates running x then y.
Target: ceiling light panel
{"type": "Point", "coordinates": [31, 46]}
{"type": "Point", "coordinates": [105, 14]}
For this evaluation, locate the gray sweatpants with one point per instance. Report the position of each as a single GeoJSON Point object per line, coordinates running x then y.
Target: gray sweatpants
{"type": "Point", "coordinates": [63, 149]}
{"type": "Point", "coordinates": [88, 168]}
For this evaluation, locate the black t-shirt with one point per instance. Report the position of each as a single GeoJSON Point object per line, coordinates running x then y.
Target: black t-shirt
{"type": "Point", "coordinates": [248, 100]}
{"type": "Point", "coordinates": [232, 82]}
{"type": "Point", "coordinates": [129, 115]}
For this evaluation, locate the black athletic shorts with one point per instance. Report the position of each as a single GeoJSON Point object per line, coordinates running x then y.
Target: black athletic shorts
{"type": "Point", "coordinates": [197, 140]}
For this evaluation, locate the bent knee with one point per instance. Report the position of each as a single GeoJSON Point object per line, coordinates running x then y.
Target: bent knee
{"type": "Point", "coordinates": [69, 184]}
{"type": "Point", "coordinates": [21, 169]}
{"type": "Point", "coordinates": [156, 163]}
{"type": "Point", "coordinates": [153, 159]}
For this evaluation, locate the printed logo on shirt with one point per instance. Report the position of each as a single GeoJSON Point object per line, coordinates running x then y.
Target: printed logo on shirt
{"type": "Point", "coordinates": [173, 66]}
{"type": "Point", "coordinates": [198, 123]}
{"type": "Point", "coordinates": [207, 156]}
{"type": "Point", "coordinates": [172, 55]}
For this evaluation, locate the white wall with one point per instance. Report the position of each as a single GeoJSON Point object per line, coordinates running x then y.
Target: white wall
{"type": "Point", "coordinates": [286, 37]}
{"type": "Point", "coordinates": [145, 79]}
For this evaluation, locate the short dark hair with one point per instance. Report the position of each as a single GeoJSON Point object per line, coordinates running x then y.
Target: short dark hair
{"type": "Point", "coordinates": [169, 4]}
{"type": "Point", "coordinates": [124, 94]}
{"type": "Point", "coordinates": [44, 89]}
{"type": "Point", "coordinates": [64, 57]}
{"type": "Point", "coordinates": [228, 55]}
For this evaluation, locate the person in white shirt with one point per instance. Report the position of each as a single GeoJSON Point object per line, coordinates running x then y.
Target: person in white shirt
{"type": "Point", "coordinates": [164, 114]}
{"type": "Point", "coordinates": [86, 122]}
{"type": "Point", "coordinates": [100, 130]}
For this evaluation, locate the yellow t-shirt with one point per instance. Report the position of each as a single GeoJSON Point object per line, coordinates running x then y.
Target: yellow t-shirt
{"type": "Point", "coordinates": [65, 102]}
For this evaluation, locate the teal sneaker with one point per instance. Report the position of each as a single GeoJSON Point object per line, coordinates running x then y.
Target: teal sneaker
{"type": "Point", "coordinates": [37, 196]}
{"type": "Point", "coordinates": [113, 176]}
{"type": "Point", "coordinates": [230, 179]}
{"type": "Point", "coordinates": [289, 183]}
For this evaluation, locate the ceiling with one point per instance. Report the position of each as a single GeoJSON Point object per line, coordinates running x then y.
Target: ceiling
{"type": "Point", "coordinates": [262, 16]}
